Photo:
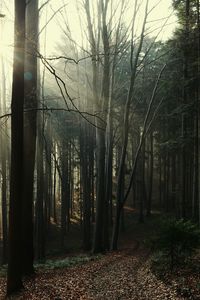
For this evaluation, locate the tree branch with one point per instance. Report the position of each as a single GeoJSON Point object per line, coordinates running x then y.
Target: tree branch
{"type": "Point", "coordinates": [144, 132]}
{"type": "Point", "coordinates": [44, 4]}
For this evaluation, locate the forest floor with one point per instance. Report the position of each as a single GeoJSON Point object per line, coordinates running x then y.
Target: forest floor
{"type": "Point", "coordinates": [123, 274]}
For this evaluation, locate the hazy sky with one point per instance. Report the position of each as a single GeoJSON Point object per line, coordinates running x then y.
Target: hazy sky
{"type": "Point", "coordinates": [156, 20]}
{"type": "Point", "coordinates": [54, 28]}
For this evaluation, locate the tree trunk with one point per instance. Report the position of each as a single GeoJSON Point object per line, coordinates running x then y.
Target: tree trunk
{"type": "Point", "coordinates": [85, 183]}
{"type": "Point", "coordinates": [98, 234]}
{"type": "Point", "coordinates": [15, 258]}
{"type": "Point", "coordinates": [125, 128]}
{"type": "Point", "coordinates": [149, 200]}
{"type": "Point", "coordinates": [29, 135]}
{"type": "Point", "coordinates": [64, 192]}
{"type": "Point", "coordinates": [54, 191]}
{"type": "Point", "coordinates": [39, 214]}
{"type": "Point", "coordinates": [142, 185]}
{"type": "Point", "coordinates": [4, 204]}
{"type": "Point", "coordinates": [4, 159]}
{"type": "Point", "coordinates": [184, 115]}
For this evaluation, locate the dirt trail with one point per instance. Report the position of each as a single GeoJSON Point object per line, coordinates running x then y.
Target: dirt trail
{"type": "Point", "coordinates": [119, 275]}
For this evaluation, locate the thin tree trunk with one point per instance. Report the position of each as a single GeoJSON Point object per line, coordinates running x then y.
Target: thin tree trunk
{"type": "Point", "coordinates": [146, 127]}
{"type": "Point", "coordinates": [126, 130]}
{"type": "Point", "coordinates": [54, 192]}
{"type": "Point", "coordinates": [151, 167]}
{"type": "Point", "coordinates": [184, 116]}
{"type": "Point", "coordinates": [64, 192]}
{"type": "Point", "coordinates": [174, 181]}
{"type": "Point", "coordinates": [85, 183]}
{"type": "Point", "coordinates": [142, 185]}
{"type": "Point", "coordinates": [98, 234]}
{"type": "Point", "coordinates": [40, 215]}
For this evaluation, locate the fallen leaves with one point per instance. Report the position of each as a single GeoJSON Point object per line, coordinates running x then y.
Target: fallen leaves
{"type": "Point", "coordinates": [120, 275]}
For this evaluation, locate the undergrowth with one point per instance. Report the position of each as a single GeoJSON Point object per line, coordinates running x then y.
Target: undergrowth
{"type": "Point", "coordinates": [52, 264]}
{"type": "Point", "coordinates": [66, 262]}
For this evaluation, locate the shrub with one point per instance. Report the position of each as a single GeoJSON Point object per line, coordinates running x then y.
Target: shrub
{"type": "Point", "coordinates": [178, 239]}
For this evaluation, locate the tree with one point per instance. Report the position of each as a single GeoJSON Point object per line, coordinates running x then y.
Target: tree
{"type": "Point", "coordinates": [133, 64]}
{"type": "Point", "coordinates": [14, 279]}
{"type": "Point", "coordinates": [4, 161]}
{"type": "Point", "coordinates": [30, 106]}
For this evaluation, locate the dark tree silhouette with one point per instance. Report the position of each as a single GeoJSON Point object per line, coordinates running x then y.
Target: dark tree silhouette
{"type": "Point", "coordinates": [14, 280]}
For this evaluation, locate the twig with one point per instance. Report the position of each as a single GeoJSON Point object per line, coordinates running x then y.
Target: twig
{"type": "Point", "coordinates": [42, 6]}
{"type": "Point", "coordinates": [42, 29]}
{"type": "Point", "coordinates": [5, 116]}
{"type": "Point", "coordinates": [61, 84]}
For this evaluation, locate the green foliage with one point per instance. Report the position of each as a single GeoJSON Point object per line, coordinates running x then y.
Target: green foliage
{"type": "Point", "coordinates": [177, 241]}
{"type": "Point", "coordinates": [51, 264]}
{"type": "Point", "coordinates": [3, 270]}
{"type": "Point", "coordinates": [66, 262]}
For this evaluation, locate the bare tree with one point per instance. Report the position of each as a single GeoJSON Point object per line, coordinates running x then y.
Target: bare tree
{"type": "Point", "coordinates": [133, 64]}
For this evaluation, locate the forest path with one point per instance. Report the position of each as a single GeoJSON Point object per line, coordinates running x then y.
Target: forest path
{"type": "Point", "coordinates": [118, 275]}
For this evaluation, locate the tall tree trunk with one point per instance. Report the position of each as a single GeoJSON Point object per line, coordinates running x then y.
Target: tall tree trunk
{"type": "Point", "coordinates": [100, 233]}
{"type": "Point", "coordinates": [106, 106]}
{"type": "Point", "coordinates": [4, 202]}
{"type": "Point", "coordinates": [197, 160]}
{"type": "Point", "coordinates": [146, 126]}
{"type": "Point", "coordinates": [125, 129]}
{"type": "Point", "coordinates": [185, 116]}
{"type": "Point", "coordinates": [4, 159]}
{"type": "Point", "coordinates": [30, 106]}
{"type": "Point", "coordinates": [15, 258]}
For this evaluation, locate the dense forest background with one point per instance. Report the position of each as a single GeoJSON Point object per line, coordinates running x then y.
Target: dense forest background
{"type": "Point", "coordinates": [107, 119]}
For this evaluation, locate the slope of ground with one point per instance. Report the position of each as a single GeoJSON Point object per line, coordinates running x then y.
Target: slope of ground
{"type": "Point", "coordinates": [120, 275]}
{"type": "Point", "coordinates": [123, 274]}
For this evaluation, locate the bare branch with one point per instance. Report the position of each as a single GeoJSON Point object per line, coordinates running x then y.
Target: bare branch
{"type": "Point", "coordinates": [5, 116]}
{"type": "Point", "coordinates": [52, 109]}
{"type": "Point", "coordinates": [61, 84]}
{"type": "Point", "coordinates": [43, 5]}
{"type": "Point", "coordinates": [70, 58]}
{"type": "Point", "coordinates": [153, 43]}
{"type": "Point", "coordinates": [54, 14]}
{"type": "Point", "coordinates": [150, 11]}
